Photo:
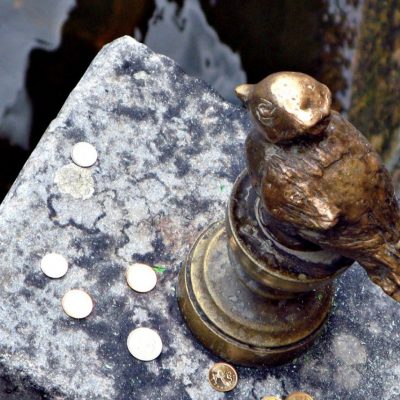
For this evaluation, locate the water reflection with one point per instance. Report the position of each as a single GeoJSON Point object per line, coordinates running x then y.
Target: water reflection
{"type": "Point", "coordinates": [193, 43]}
{"type": "Point", "coordinates": [24, 26]}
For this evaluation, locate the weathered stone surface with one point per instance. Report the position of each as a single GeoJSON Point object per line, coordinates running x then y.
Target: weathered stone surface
{"type": "Point", "coordinates": [169, 150]}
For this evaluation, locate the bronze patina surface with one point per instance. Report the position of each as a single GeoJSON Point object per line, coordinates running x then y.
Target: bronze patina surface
{"type": "Point", "coordinates": [319, 178]}
{"type": "Point", "coordinates": [257, 288]}
{"type": "Point", "coordinates": [236, 323]}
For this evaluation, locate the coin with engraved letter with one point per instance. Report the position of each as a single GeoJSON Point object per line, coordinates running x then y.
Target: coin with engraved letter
{"type": "Point", "coordinates": [222, 377]}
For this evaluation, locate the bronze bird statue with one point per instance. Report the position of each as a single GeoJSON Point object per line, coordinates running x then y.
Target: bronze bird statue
{"type": "Point", "coordinates": [320, 181]}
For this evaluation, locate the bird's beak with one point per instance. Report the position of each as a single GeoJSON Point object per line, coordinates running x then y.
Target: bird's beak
{"type": "Point", "coordinates": [243, 92]}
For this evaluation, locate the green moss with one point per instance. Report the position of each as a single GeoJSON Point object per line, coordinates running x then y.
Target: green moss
{"type": "Point", "coordinates": [159, 268]}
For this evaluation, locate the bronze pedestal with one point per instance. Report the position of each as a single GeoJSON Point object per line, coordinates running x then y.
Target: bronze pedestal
{"type": "Point", "coordinates": [237, 300]}
{"type": "Point", "coordinates": [257, 288]}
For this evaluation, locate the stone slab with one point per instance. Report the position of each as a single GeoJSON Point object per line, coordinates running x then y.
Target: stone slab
{"type": "Point", "coordinates": [169, 150]}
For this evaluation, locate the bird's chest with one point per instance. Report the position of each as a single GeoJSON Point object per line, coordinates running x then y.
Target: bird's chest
{"type": "Point", "coordinates": [296, 174]}
{"type": "Point", "coordinates": [296, 163]}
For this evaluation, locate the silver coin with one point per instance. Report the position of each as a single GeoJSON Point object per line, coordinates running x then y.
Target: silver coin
{"type": "Point", "coordinates": [84, 154]}
{"type": "Point", "coordinates": [54, 265]}
{"type": "Point", "coordinates": [77, 303]}
{"type": "Point", "coordinates": [144, 344]}
{"type": "Point", "coordinates": [141, 277]}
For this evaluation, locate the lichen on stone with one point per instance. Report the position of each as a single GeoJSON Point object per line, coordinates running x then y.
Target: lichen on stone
{"type": "Point", "coordinates": [75, 181]}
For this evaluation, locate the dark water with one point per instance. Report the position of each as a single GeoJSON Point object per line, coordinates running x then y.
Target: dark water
{"type": "Point", "coordinates": [46, 45]}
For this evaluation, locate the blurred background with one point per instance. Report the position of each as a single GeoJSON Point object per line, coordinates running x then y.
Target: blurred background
{"type": "Point", "coordinates": [353, 46]}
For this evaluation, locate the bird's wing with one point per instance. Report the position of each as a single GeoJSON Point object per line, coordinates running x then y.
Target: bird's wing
{"type": "Point", "coordinates": [290, 195]}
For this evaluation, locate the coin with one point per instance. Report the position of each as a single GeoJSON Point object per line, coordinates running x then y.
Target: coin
{"type": "Point", "coordinates": [144, 344]}
{"type": "Point", "coordinates": [270, 398]}
{"type": "Point", "coordinates": [141, 277]}
{"type": "Point", "coordinates": [222, 377]}
{"type": "Point", "coordinates": [299, 396]}
{"type": "Point", "coordinates": [54, 265]}
{"type": "Point", "coordinates": [84, 154]}
{"type": "Point", "coordinates": [77, 303]}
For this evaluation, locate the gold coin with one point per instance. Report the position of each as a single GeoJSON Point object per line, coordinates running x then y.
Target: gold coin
{"type": "Point", "coordinates": [77, 303]}
{"type": "Point", "coordinates": [222, 377]}
{"type": "Point", "coordinates": [141, 277]}
{"type": "Point", "coordinates": [299, 396]}
{"type": "Point", "coordinates": [270, 398]}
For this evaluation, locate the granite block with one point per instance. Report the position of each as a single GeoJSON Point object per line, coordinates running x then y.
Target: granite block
{"type": "Point", "coordinates": [169, 150]}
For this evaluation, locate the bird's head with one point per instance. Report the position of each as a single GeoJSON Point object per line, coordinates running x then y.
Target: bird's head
{"type": "Point", "coordinates": [286, 105]}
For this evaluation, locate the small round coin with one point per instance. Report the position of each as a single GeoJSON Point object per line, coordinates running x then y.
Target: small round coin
{"type": "Point", "coordinates": [222, 377]}
{"type": "Point", "coordinates": [54, 265]}
{"type": "Point", "coordinates": [144, 344]}
{"type": "Point", "coordinates": [299, 396]}
{"type": "Point", "coordinates": [84, 154]}
{"type": "Point", "coordinates": [141, 277]}
{"type": "Point", "coordinates": [77, 303]}
{"type": "Point", "coordinates": [270, 398]}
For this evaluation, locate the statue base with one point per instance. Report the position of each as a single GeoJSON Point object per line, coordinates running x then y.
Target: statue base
{"type": "Point", "coordinates": [242, 305]}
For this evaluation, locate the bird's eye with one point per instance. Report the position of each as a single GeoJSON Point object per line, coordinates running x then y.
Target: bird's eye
{"type": "Point", "coordinates": [265, 109]}
{"type": "Point", "coordinates": [265, 112]}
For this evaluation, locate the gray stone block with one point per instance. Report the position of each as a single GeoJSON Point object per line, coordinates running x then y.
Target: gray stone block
{"type": "Point", "coordinates": [169, 150]}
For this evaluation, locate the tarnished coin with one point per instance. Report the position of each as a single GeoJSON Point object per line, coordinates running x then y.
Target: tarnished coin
{"type": "Point", "coordinates": [54, 265]}
{"type": "Point", "coordinates": [299, 396]}
{"type": "Point", "coordinates": [144, 344]}
{"type": "Point", "coordinates": [77, 303]}
{"type": "Point", "coordinates": [84, 154]}
{"type": "Point", "coordinates": [223, 377]}
{"type": "Point", "coordinates": [141, 277]}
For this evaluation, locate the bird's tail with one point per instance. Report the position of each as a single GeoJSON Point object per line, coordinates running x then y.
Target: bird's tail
{"type": "Point", "coordinates": [383, 269]}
